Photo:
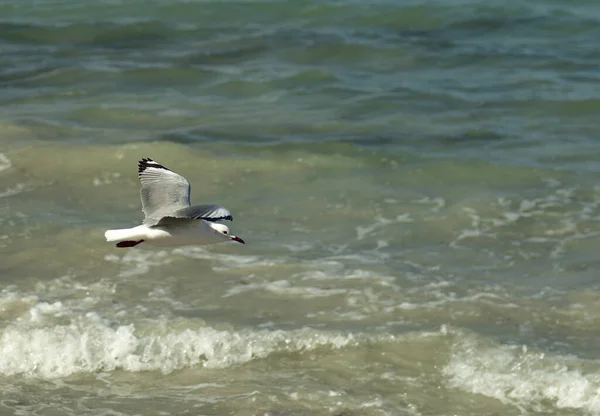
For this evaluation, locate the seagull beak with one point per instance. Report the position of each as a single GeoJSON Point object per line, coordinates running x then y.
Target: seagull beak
{"type": "Point", "coordinates": [238, 239]}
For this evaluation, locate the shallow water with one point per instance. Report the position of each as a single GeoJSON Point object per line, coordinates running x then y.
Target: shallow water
{"type": "Point", "coordinates": [416, 184]}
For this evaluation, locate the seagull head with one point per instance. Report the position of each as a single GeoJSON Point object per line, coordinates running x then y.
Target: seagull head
{"type": "Point", "coordinates": [223, 231]}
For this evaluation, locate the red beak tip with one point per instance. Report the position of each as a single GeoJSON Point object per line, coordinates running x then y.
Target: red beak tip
{"type": "Point", "coordinates": [238, 239]}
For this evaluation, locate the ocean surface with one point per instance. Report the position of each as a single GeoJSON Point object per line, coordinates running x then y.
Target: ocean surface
{"type": "Point", "coordinates": [417, 183]}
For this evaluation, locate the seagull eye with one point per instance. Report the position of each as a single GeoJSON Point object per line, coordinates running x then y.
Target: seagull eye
{"type": "Point", "coordinates": [224, 232]}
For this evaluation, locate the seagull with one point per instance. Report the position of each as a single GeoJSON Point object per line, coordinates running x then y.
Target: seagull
{"type": "Point", "coordinates": [170, 220]}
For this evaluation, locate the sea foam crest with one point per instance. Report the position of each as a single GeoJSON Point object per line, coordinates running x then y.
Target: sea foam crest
{"type": "Point", "coordinates": [92, 344]}
{"type": "Point", "coordinates": [523, 378]}
{"type": "Point", "coordinates": [5, 162]}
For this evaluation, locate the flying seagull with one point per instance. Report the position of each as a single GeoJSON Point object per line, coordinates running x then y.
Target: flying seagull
{"type": "Point", "coordinates": [170, 220]}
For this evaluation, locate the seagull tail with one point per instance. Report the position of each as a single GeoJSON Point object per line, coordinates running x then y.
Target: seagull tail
{"type": "Point", "coordinates": [124, 234]}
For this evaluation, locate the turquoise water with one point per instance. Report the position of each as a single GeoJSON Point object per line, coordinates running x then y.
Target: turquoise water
{"type": "Point", "coordinates": [416, 183]}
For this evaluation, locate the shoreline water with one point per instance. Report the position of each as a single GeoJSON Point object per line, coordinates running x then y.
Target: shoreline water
{"type": "Point", "coordinates": [416, 184]}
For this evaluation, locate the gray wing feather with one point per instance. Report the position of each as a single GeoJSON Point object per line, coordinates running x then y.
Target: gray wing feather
{"type": "Point", "coordinates": [166, 196]}
{"type": "Point", "coordinates": [163, 191]}
{"type": "Point", "coordinates": [173, 222]}
{"type": "Point", "coordinates": [205, 212]}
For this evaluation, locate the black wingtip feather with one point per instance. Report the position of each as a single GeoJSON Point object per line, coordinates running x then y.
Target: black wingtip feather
{"type": "Point", "coordinates": [143, 164]}
{"type": "Point", "coordinates": [226, 218]}
{"type": "Point", "coordinates": [149, 163]}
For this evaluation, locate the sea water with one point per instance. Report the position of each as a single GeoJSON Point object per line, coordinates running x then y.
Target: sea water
{"type": "Point", "coordinates": [416, 182]}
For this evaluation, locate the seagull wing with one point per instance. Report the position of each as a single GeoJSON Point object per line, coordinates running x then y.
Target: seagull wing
{"type": "Point", "coordinates": [205, 212]}
{"type": "Point", "coordinates": [163, 191]}
{"type": "Point", "coordinates": [166, 194]}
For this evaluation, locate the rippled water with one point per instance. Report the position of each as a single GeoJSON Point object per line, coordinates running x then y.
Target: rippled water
{"type": "Point", "coordinates": [416, 184]}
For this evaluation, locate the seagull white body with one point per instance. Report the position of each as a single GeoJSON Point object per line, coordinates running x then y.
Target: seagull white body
{"type": "Point", "coordinates": [170, 219]}
{"type": "Point", "coordinates": [194, 234]}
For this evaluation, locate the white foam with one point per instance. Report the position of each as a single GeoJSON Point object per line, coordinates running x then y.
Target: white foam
{"type": "Point", "coordinates": [138, 262]}
{"type": "Point", "coordinates": [524, 378]}
{"type": "Point", "coordinates": [226, 261]}
{"type": "Point", "coordinates": [358, 274]}
{"type": "Point", "coordinates": [5, 162]}
{"type": "Point", "coordinates": [561, 212]}
{"type": "Point", "coordinates": [380, 222]}
{"type": "Point", "coordinates": [91, 344]}
{"type": "Point", "coordinates": [107, 179]}
{"type": "Point", "coordinates": [13, 305]}
{"type": "Point", "coordinates": [298, 247]}
{"type": "Point", "coordinates": [13, 191]}
{"type": "Point", "coordinates": [285, 288]}
{"type": "Point", "coordinates": [165, 295]}
{"type": "Point", "coordinates": [436, 203]}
